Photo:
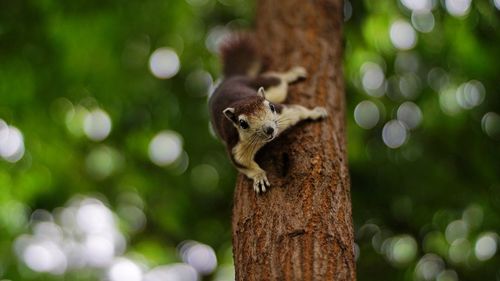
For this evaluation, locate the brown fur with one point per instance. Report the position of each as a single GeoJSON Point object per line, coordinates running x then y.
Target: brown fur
{"type": "Point", "coordinates": [230, 92]}
{"type": "Point", "coordinates": [248, 106]}
{"type": "Point", "coordinates": [238, 100]}
{"type": "Point", "coordinates": [239, 55]}
{"type": "Point", "coordinates": [240, 93]}
{"type": "Point", "coordinates": [264, 81]}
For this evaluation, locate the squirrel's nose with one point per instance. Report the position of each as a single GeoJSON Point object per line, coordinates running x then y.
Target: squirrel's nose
{"type": "Point", "coordinates": [269, 131]}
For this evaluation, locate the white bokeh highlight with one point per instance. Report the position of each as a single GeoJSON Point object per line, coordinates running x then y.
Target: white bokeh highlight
{"type": "Point", "coordinates": [402, 35]}
{"type": "Point", "coordinates": [124, 270]}
{"type": "Point", "coordinates": [394, 134]}
{"type": "Point", "coordinates": [497, 4]}
{"type": "Point", "coordinates": [83, 234]}
{"type": "Point", "coordinates": [11, 143]}
{"type": "Point", "coordinates": [45, 256]}
{"type": "Point", "coordinates": [172, 272]}
{"type": "Point", "coordinates": [164, 63]}
{"type": "Point", "coordinates": [423, 21]}
{"type": "Point", "coordinates": [491, 125]}
{"type": "Point", "coordinates": [200, 256]}
{"type": "Point", "coordinates": [101, 248]}
{"type": "Point", "coordinates": [400, 250]}
{"type": "Point", "coordinates": [457, 229]}
{"type": "Point", "coordinates": [419, 5]}
{"type": "Point", "coordinates": [470, 94]}
{"type": "Point", "coordinates": [486, 246]}
{"type": "Point", "coordinates": [97, 124]}
{"type": "Point", "coordinates": [458, 8]}
{"type": "Point", "coordinates": [366, 114]}
{"type": "Point", "coordinates": [429, 267]}
{"type": "Point", "coordinates": [94, 217]}
{"type": "Point", "coordinates": [84, 237]}
{"type": "Point", "coordinates": [410, 114]}
{"type": "Point", "coordinates": [372, 78]}
{"type": "Point", "coordinates": [165, 148]}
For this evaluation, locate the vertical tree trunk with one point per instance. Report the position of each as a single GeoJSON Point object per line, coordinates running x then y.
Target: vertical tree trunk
{"type": "Point", "coordinates": [301, 229]}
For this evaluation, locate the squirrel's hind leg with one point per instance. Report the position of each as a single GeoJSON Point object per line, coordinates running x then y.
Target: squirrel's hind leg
{"type": "Point", "coordinates": [292, 75]}
{"type": "Point", "coordinates": [277, 93]}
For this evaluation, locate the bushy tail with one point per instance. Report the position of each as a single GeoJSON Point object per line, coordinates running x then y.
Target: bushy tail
{"type": "Point", "coordinates": [240, 56]}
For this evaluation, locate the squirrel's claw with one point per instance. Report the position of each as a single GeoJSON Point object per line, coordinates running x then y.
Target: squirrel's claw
{"type": "Point", "coordinates": [260, 182]}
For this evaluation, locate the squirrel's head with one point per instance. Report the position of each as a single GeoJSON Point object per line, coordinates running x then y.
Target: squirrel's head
{"type": "Point", "coordinates": [255, 118]}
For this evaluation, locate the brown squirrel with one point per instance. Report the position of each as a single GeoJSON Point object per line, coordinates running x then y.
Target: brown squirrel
{"type": "Point", "coordinates": [246, 108]}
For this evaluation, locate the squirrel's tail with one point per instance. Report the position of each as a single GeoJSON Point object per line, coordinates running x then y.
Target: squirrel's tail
{"type": "Point", "coordinates": [240, 56]}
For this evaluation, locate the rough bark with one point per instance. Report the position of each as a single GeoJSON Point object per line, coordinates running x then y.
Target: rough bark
{"type": "Point", "coordinates": [301, 229]}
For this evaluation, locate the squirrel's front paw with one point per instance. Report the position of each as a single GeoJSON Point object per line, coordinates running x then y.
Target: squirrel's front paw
{"type": "Point", "coordinates": [319, 112]}
{"type": "Point", "coordinates": [260, 182]}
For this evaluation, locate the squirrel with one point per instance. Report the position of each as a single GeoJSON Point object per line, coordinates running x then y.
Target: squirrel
{"type": "Point", "coordinates": [246, 108]}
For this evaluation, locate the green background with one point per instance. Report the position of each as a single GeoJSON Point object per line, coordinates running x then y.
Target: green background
{"type": "Point", "coordinates": [426, 210]}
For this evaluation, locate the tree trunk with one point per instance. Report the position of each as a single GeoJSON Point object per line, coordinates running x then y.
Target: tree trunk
{"type": "Point", "coordinates": [301, 229]}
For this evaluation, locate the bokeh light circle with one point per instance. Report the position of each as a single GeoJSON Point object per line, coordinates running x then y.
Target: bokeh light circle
{"type": "Point", "coordinates": [410, 114]}
{"type": "Point", "coordinates": [45, 256]}
{"type": "Point", "coordinates": [394, 134]}
{"type": "Point", "coordinates": [164, 63]}
{"type": "Point", "coordinates": [202, 258]}
{"type": "Point", "coordinates": [447, 275]}
{"type": "Point", "coordinates": [486, 246]}
{"type": "Point", "coordinates": [172, 272]}
{"type": "Point", "coordinates": [402, 35]}
{"type": "Point", "coordinates": [458, 8]}
{"type": "Point", "coordinates": [165, 148]}
{"type": "Point", "coordinates": [11, 143]}
{"type": "Point", "coordinates": [366, 114]}
{"type": "Point", "coordinates": [124, 270]}
{"type": "Point", "coordinates": [429, 267]}
{"type": "Point", "coordinates": [97, 125]}
{"type": "Point", "coordinates": [423, 21]}
{"type": "Point", "coordinates": [470, 94]}
{"type": "Point", "coordinates": [491, 125]}
{"type": "Point", "coordinates": [372, 78]}
{"type": "Point", "coordinates": [418, 5]}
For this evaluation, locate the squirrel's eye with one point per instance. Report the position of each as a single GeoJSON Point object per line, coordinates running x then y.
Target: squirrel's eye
{"type": "Point", "coordinates": [243, 124]}
{"type": "Point", "coordinates": [271, 106]}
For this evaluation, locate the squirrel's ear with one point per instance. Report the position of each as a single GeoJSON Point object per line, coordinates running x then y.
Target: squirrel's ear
{"type": "Point", "coordinates": [229, 113]}
{"type": "Point", "coordinates": [261, 92]}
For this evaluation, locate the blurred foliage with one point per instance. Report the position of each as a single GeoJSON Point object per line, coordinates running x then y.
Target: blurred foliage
{"type": "Point", "coordinates": [86, 116]}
